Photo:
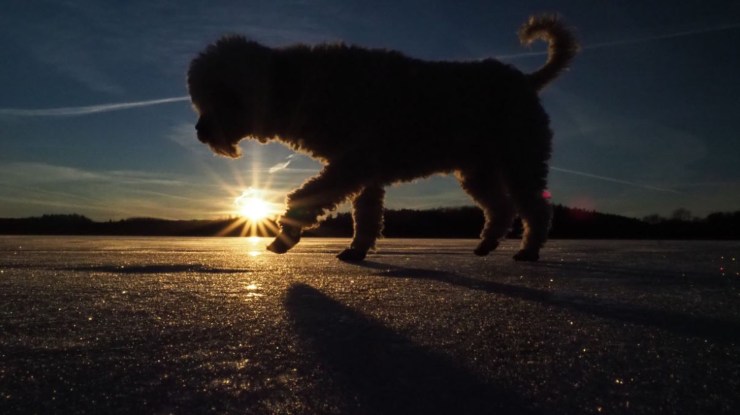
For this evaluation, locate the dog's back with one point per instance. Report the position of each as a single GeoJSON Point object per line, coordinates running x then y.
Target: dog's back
{"type": "Point", "coordinates": [387, 102]}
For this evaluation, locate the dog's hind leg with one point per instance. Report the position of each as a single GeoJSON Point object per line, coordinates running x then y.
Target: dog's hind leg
{"type": "Point", "coordinates": [489, 191]}
{"type": "Point", "coordinates": [533, 207]}
{"type": "Point", "coordinates": [536, 214]}
{"type": "Point", "coordinates": [367, 216]}
{"type": "Point", "coordinates": [316, 196]}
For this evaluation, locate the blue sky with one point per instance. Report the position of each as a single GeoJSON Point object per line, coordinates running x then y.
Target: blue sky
{"type": "Point", "coordinates": [93, 118]}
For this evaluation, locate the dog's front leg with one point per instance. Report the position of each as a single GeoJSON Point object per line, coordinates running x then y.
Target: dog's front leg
{"type": "Point", "coordinates": [316, 196]}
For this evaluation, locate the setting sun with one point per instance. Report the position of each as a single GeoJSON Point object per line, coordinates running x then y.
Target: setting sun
{"type": "Point", "coordinates": [257, 214]}
{"type": "Point", "coordinates": [252, 206]}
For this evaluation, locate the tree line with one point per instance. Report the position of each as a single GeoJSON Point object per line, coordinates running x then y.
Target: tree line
{"type": "Point", "coordinates": [460, 222]}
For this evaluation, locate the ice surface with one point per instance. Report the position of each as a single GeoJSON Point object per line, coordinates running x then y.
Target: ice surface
{"type": "Point", "coordinates": [193, 325]}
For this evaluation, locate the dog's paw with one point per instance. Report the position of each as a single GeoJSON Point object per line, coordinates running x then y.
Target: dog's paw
{"type": "Point", "coordinates": [285, 240]}
{"type": "Point", "coordinates": [279, 247]}
{"type": "Point", "coordinates": [526, 255]}
{"type": "Point", "coordinates": [352, 255]}
{"type": "Point", "coordinates": [485, 247]}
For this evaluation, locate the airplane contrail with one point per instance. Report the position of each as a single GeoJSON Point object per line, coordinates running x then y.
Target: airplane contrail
{"type": "Point", "coordinates": [632, 41]}
{"type": "Point", "coordinates": [613, 180]}
{"type": "Point", "coordinates": [283, 165]}
{"type": "Point", "coordinates": [91, 109]}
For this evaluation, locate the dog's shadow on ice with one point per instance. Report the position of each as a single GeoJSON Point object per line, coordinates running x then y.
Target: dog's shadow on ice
{"type": "Point", "coordinates": [716, 329]}
{"type": "Point", "coordinates": [377, 370]}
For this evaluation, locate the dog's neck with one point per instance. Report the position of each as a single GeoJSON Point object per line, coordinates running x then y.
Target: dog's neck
{"type": "Point", "coordinates": [280, 116]}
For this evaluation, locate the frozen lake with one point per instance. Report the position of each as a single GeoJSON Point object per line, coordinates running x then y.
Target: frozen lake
{"type": "Point", "coordinates": [194, 325]}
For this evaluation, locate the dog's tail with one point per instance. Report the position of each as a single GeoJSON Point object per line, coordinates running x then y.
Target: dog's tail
{"type": "Point", "coordinates": [562, 46]}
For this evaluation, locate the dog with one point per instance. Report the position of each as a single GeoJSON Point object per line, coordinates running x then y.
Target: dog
{"type": "Point", "coordinates": [378, 117]}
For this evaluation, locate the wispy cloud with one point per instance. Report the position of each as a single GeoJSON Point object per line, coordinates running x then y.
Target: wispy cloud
{"type": "Point", "coordinates": [30, 173]}
{"type": "Point", "coordinates": [613, 180]}
{"type": "Point", "coordinates": [183, 134]}
{"type": "Point", "coordinates": [29, 188]}
{"type": "Point", "coordinates": [281, 166]}
{"type": "Point", "coordinates": [673, 35]}
{"type": "Point", "coordinates": [86, 110]}
{"type": "Point", "coordinates": [622, 42]}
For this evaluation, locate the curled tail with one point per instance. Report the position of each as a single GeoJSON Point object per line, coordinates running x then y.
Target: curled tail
{"type": "Point", "coordinates": [562, 46]}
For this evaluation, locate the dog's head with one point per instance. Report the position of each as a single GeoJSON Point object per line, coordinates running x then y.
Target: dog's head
{"type": "Point", "coordinates": [226, 88]}
{"type": "Point", "coordinates": [222, 122]}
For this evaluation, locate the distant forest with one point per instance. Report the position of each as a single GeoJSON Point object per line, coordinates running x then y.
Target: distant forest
{"type": "Point", "coordinates": [462, 222]}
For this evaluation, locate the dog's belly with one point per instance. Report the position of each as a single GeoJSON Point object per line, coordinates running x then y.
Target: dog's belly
{"type": "Point", "coordinates": [403, 167]}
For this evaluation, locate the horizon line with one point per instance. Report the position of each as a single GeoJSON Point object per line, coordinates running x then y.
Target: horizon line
{"type": "Point", "coordinates": [275, 217]}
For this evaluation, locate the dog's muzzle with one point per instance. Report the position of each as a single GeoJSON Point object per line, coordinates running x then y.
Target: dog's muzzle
{"type": "Point", "coordinates": [201, 129]}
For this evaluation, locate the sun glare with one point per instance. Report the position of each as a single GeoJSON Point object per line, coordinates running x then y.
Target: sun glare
{"type": "Point", "coordinates": [252, 206]}
{"type": "Point", "coordinates": [257, 216]}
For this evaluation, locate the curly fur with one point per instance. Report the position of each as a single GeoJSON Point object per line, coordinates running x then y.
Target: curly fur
{"type": "Point", "coordinates": [375, 117]}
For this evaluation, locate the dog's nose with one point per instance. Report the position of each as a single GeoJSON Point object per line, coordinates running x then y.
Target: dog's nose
{"type": "Point", "coordinates": [201, 130]}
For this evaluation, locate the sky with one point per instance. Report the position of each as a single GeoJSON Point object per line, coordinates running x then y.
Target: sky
{"type": "Point", "coordinates": [95, 119]}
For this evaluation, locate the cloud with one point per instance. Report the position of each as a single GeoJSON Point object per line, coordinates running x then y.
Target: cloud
{"type": "Point", "coordinates": [278, 167]}
{"type": "Point", "coordinates": [86, 110]}
{"type": "Point", "coordinates": [29, 188]}
{"type": "Point", "coordinates": [183, 134]}
{"type": "Point", "coordinates": [622, 42]}
{"type": "Point", "coordinates": [40, 173]}
{"type": "Point", "coordinates": [281, 166]}
{"type": "Point", "coordinates": [613, 180]}
{"type": "Point", "coordinates": [663, 36]}
{"type": "Point", "coordinates": [605, 142]}
{"type": "Point", "coordinates": [31, 173]}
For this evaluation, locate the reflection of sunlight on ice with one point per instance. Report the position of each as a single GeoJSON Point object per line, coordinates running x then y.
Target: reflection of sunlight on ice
{"type": "Point", "coordinates": [253, 290]}
{"type": "Point", "coordinates": [241, 364]}
{"type": "Point", "coordinates": [255, 247]}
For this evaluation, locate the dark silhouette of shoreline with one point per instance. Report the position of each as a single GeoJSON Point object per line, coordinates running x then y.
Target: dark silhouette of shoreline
{"type": "Point", "coordinates": [462, 222]}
